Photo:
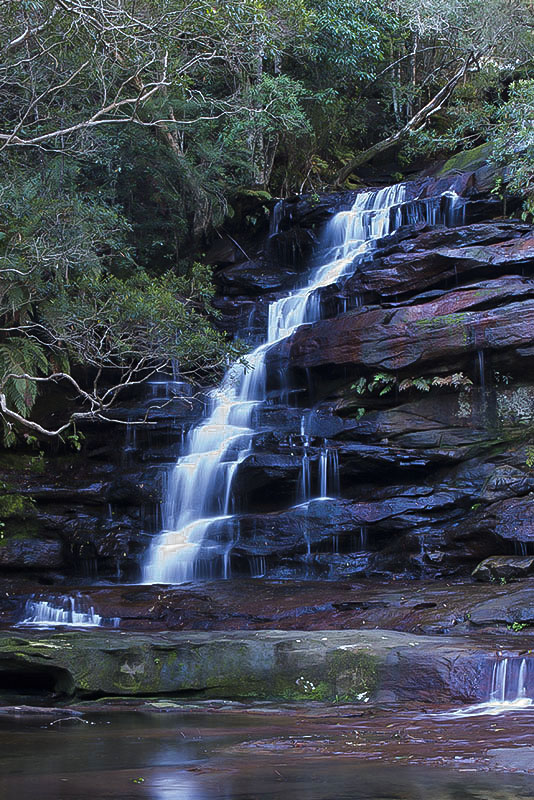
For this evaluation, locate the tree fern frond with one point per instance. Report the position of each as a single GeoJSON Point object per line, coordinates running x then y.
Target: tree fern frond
{"type": "Point", "coordinates": [18, 357]}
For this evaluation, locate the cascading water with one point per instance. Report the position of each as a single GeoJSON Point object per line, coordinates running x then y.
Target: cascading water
{"type": "Point", "coordinates": [328, 472]}
{"type": "Point", "coordinates": [195, 542]}
{"type": "Point", "coordinates": [511, 688]}
{"type": "Point", "coordinates": [64, 610]}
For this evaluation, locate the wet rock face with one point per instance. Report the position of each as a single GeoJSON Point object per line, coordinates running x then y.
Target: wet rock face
{"type": "Point", "coordinates": [504, 568]}
{"type": "Point", "coordinates": [90, 515]}
{"type": "Point", "coordinates": [29, 554]}
{"type": "Point", "coordinates": [412, 400]}
{"type": "Point", "coordinates": [417, 382]}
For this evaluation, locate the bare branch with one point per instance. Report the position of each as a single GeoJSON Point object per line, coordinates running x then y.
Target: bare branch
{"type": "Point", "coordinates": [417, 122]}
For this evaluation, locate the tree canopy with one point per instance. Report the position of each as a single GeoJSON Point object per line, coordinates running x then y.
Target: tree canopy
{"type": "Point", "coordinates": [129, 129]}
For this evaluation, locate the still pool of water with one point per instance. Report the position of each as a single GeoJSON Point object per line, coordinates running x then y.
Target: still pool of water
{"type": "Point", "coordinates": [239, 756]}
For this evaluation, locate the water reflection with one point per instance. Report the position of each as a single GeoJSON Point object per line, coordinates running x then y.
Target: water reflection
{"type": "Point", "coordinates": [382, 756]}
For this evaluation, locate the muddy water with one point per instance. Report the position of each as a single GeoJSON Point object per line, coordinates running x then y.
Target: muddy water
{"type": "Point", "coordinates": [321, 754]}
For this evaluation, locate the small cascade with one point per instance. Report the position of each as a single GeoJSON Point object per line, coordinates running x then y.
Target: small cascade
{"type": "Point", "coordinates": [363, 538]}
{"type": "Point", "coordinates": [130, 444]}
{"type": "Point", "coordinates": [323, 472]}
{"type": "Point", "coordinates": [523, 548]}
{"type": "Point", "coordinates": [445, 209]}
{"type": "Point", "coordinates": [511, 688]}
{"type": "Point", "coordinates": [276, 217]}
{"type": "Point", "coordinates": [304, 486]}
{"type": "Point", "coordinates": [169, 389]}
{"type": "Point", "coordinates": [193, 544]}
{"type": "Point", "coordinates": [257, 566]}
{"type": "Point", "coordinates": [481, 370]}
{"type": "Point", "coordinates": [328, 472]}
{"type": "Point", "coordinates": [64, 611]}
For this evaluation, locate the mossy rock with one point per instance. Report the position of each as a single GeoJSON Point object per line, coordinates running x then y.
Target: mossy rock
{"type": "Point", "coordinates": [353, 674]}
{"type": "Point", "coordinates": [16, 505]}
{"type": "Point", "coordinates": [255, 194]}
{"type": "Point", "coordinates": [467, 160]}
{"type": "Point", "coordinates": [332, 666]}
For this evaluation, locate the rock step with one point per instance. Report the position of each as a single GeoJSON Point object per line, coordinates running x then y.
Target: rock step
{"type": "Point", "coordinates": [353, 666]}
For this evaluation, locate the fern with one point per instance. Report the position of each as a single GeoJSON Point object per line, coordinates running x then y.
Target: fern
{"type": "Point", "coordinates": [18, 357]}
{"type": "Point", "coordinates": [383, 381]}
{"type": "Point", "coordinates": [458, 381]}
{"type": "Point", "coordinates": [360, 386]}
{"type": "Point", "coordinates": [423, 384]}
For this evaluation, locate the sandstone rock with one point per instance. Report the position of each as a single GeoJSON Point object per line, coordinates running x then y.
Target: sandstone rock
{"type": "Point", "coordinates": [504, 568]}
{"type": "Point", "coordinates": [31, 553]}
{"type": "Point", "coordinates": [271, 664]}
{"type": "Point", "coordinates": [513, 518]}
{"type": "Point", "coordinates": [416, 337]}
{"type": "Point", "coordinates": [512, 606]}
{"type": "Point", "coordinates": [251, 278]}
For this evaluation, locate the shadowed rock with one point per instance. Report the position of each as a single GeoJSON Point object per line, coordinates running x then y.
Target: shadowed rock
{"type": "Point", "coordinates": [504, 568]}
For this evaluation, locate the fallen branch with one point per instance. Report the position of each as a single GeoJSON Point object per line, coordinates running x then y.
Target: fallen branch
{"type": "Point", "coordinates": [416, 123]}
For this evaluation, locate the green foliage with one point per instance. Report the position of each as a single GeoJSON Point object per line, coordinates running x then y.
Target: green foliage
{"type": "Point", "coordinates": [348, 37]}
{"type": "Point", "coordinates": [514, 143]}
{"type": "Point", "coordinates": [15, 505]}
{"type": "Point", "coordinates": [72, 294]}
{"type": "Point", "coordinates": [360, 386]}
{"type": "Point", "coordinates": [76, 440]}
{"type": "Point", "coordinates": [518, 626]}
{"type": "Point", "coordinates": [20, 356]}
{"type": "Point", "coordinates": [382, 382]}
{"type": "Point", "coordinates": [278, 120]}
{"type": "Point", "coordinates": [385, 382]}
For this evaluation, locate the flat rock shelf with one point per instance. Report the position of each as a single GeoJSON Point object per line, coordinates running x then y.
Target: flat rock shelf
{"type": "Point", "coordinates": [353, 665]}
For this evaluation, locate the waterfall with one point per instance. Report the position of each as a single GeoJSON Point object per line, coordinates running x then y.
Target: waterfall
{"type": "Point", "coordinates": [257, 566]}
{"type": "Point", "coordinates": [509, 682]}
{"type": "Point", "coordinates": [328, 472]}
{"type": "Point", "coordinates": [511, 688]}
{"type": "Point", "coordinates": [196, 539]}
{"type": "Point", "coordinates": [323, 473]}
{"type": "Point", "coordinates": [64, 610]}
{"type": "Point", "coordinates": [276, 218]}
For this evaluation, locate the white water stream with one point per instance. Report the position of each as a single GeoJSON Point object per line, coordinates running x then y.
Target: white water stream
{"type": "Point", "coordinates": [198, 504]}
{"type": "Point", "coordinates": [64, 611]}
{"type": "Point", "coordinates": [512, 688]}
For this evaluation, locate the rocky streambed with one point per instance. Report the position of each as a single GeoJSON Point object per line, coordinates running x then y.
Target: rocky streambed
{"type": "Point", "coordinates": [458, 607]}
{"type": "Point", "coordinates": [158, 753]}
{"type": "Point", "coordinates": [352, 615]}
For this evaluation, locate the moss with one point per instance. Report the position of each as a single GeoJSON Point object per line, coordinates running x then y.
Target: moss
{"type": "Point", "coordinates": [354, 674]}
{"type": "Point", "coordinates": [256, 194]}
{"type": "Point", "coordinates": [8, 534]}
{"type": "Point", "coordinates": [304, 690]}
{"type": "Point", "coordinates": [15, 505]}
{"type": "Point", "coordinates": [444, 319]}
{"type": "Point", "coordinates": [349, 677]}
{"type": "Point", "coordinates": [467, 160]}
{"type": "Point", "coordinates": [22, 462]}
